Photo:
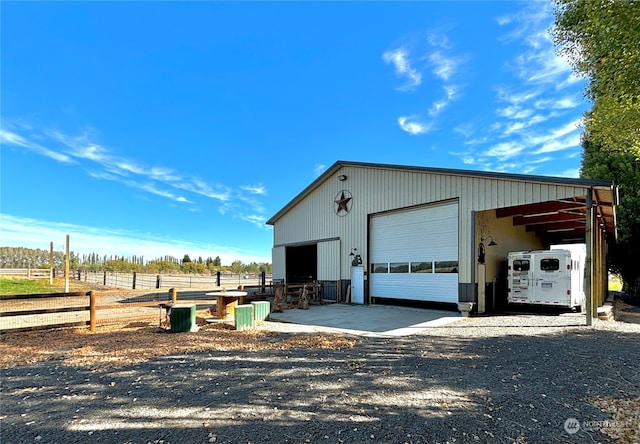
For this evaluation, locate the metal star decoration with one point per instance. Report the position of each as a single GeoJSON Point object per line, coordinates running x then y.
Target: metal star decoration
{"type": "Point", "coordinates": [343, 202]}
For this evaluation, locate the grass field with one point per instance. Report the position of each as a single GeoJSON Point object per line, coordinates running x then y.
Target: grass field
{"type": "Point", "coordinates": [615, 283]}
{"type": "Point", "coordinates": [13, 285]}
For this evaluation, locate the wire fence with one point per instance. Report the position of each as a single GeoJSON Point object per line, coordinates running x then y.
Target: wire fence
{"type": "Point", "coordinates": [136, 281]}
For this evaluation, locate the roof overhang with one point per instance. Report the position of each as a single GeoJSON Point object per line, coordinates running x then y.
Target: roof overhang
{"type": "Point", "coordinates": [565, 221]}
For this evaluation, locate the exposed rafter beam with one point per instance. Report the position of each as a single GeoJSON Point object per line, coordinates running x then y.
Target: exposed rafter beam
{"type": "Point", "coordinates": [539, 208]}
{"type": "Point", "coordinates": [569, 225]}
{"type": "Point", "coordinates": [548, 218]}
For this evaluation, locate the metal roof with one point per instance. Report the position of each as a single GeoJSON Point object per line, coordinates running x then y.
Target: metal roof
{"type": "Point", "coordinates": [565, 219]}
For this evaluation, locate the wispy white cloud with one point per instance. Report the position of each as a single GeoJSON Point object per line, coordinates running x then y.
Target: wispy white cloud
{"type": "Point", "coordinates": [150, 188]}
{"type": "Point", "coordinates": [436, 57]}
{"type": "Point", "coordinates": [504, 150]}
{"type": "Point", "coordinates": [413, 127]}
{"type": "Point", "coordinates": [559, 144]}
{"type": "Point", "coordinates": [399, 58]}
{"type": "Point", "coordinates": [439, 105]}
{"type": "Point", "coordinates": [444, 66]}
{"type": "Point", "coordinates": [33, 233]}
{"type": "Point", "coordinates": [256, 219]}
{"type": "Point", "coordinates": [255, 189]}
{"type": "Point", "coordinates": [538, 112]}
{"type": "Point", "coordinates": [10, 138]}
{"type": "Point", "coordinates": [100, 163]}
{"type": "Point", "coordinates": [318, 169]}
{"type": "Point", "coordinates": [557, 103]}
{"type": "Point", "coordinates": [439, 39]}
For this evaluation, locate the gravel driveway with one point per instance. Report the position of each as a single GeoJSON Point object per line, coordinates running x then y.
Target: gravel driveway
{"type": "Point", "coordinates": [494, 379]}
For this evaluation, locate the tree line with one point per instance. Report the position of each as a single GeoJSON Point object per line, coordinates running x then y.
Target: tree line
{"type": "Point", "coordinates": [601, 39]}
{"type": "Point", "coordinates": [21, 257]}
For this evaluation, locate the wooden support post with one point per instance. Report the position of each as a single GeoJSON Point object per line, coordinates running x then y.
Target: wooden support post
{"type": "Point", "coordinates": [92, 311]}
{"type": "Point", "coordinates": [51, 265]}
{"type": "Point", "coordinates": [588, 266]}
{"type": "Point", "coordinates": [134, 280]}
{"type": "Point", "coordinates": [157, 281]}
{"type": "Point", "coordinates": [174, 295]}
{"type": "Point", "coordinates": [66, 266]}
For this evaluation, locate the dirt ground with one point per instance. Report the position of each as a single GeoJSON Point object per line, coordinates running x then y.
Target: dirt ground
{"type": "Point", "coordinates": [505, 388]}
{"type": "Point", "coordinates": [627, 313]}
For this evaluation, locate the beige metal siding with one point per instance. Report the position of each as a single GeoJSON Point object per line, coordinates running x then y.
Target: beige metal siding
{"type": "Point", "coordinates": [376, 190]}
{"type": "Point", "coordinates": [278, 266]}
{"type": "Point", "coordinates": [329, 260]}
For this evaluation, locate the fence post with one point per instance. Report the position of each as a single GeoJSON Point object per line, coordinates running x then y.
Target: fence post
{"type": "Point", "coordinates": [104, 281]}
{"type": "Point", "coordinates": [92, 311]}
{"type": "Point", "coordinates": [263, 280]}
{"type": "Point", "coordinates": [134, 280]}
{"type": "Point", "coordinates": [174, 295]}
{"type": "Point", "coordinates": [157, 281]}
{"type": "Point", "coordinates": [218, 278]}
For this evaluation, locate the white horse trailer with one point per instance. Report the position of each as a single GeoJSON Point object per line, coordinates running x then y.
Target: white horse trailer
{"type": "Point", "coordinates": [546, 277]}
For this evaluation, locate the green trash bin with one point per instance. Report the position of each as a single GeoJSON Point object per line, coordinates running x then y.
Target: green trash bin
{"type": "Point", "coordinates": [244, 318]}
{"type": "Point", "coordinates": [183, 318]}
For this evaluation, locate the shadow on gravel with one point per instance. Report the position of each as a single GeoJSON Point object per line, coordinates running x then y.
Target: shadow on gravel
{"type": "Point", "coordinates": [418, 389]}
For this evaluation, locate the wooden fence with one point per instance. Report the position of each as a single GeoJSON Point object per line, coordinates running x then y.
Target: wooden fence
{"type": "Point", "coordinates": [54, 310]}
{"type": "Point", "coordinates": [31, 273]}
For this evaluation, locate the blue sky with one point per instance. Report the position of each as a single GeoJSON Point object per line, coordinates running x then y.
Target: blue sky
{"type": "Point", "coordinates": [155, 128]}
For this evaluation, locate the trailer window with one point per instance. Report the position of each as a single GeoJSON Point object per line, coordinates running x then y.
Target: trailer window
{"type": "Point", "coordinates": [549, 264]}
{"type": "Point", "coordinates": [521, 265]}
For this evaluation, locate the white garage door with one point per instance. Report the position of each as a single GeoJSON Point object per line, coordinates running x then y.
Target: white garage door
{"type": "Point", "coordinates": [414, 254]}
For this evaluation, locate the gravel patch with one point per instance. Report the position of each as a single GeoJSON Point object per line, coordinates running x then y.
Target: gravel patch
{"type": "Point", "coordinates": [486, 379]}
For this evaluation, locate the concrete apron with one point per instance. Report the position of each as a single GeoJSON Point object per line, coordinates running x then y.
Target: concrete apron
{"type": "Point", "coordinates": [366, 320]}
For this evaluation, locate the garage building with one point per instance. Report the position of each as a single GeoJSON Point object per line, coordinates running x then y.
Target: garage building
{"type": "Point", "coordinates": [378, 233]}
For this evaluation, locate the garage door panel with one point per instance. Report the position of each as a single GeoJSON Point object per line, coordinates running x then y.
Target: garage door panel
{"type": "Point", "coordinates": [428, 234]}
{"type": "Point", "coordinates": [433, 288]}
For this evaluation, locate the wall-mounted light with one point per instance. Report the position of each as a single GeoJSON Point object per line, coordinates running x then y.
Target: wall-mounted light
{"type": "Point", "coordinates": [342, 178]}
{"type": "Point", "coordinates": [490, 244]}
{"type": "Point", "coordinates": [481, 254]}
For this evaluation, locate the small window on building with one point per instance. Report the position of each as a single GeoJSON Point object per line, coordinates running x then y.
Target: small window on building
{"type": "Point", "coordinates": [447, 267]}
{"type": "Point", "coordinates": [421, 267]}
{"type": "Point", "coordinates": [380, 268]}
{"type": "Point", "coordinates": [399, 267]}
{"type": "Point", "coordinates": [521, 265]}
{"type": "Point", "coordinates": [549, 264]}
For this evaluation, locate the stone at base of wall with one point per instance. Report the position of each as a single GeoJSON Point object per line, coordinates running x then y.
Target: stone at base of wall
{"type": "Point", "coordinates": [465, 308]}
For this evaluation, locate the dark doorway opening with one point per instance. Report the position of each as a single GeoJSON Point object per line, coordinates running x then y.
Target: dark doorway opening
{"type": "Point", "coordinates": [302, 263]}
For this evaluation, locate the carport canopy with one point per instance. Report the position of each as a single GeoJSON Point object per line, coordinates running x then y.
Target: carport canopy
{"type": "Point", "coordinates": [565, 221]}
